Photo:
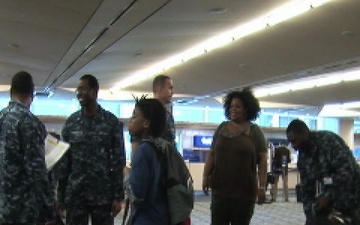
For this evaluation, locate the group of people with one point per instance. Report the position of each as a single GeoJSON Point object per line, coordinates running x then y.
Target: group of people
{"type": "Point", "coordinates": [88, 180]}
{"type": "Point", "coordinates": [236, 168]}
{"type": "Point", "coordinates": [89, 177]}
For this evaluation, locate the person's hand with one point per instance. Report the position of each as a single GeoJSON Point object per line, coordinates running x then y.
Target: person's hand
{"type": "Point", "coordinates": [60, 210]}
{"type": "Point", "coordinates": [116, 207]}
{"type": "Point", "coordinates": [323, 204]}
{"type": "Point", "coordinates": [206, 185]}
{"type": "Point", "coordinates": [261, 196]}
{"type": "Point", "coordinates": [125, 203]}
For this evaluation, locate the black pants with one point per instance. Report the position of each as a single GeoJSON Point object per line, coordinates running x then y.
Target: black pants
{"type": "Point", "coordinates": [230, 210]}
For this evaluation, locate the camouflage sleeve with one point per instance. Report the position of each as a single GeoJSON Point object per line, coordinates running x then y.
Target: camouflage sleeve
{"type": "Point", "coordinates": [342, 169]}
{"type": "Point", "coordinates": [308, 195]}
{"type": "Point", "coordinates": [33, 143]}
{"type": "Point", "coordinates": [118, 161]}
{"type": "Point", "coordinates": [63, 167]}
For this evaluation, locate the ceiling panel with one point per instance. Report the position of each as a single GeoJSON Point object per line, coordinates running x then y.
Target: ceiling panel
{"type": "Point", "coordinates": [55, 42]}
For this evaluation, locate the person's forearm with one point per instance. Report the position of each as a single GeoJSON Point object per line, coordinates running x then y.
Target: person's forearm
{"type": "Point", "coordinates": [262, 171]}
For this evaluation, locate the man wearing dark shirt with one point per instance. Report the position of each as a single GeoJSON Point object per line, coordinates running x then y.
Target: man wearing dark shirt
{"type": "Point", "coordinates": [330, 175]}
{"type": "Point", "coordinates": [24, 185]}
{"type": "Point", "coordinates": [90, 183]}
{"type": "Point", "coordinates": [280, 168]}
{"type": "Point", "coordinates": [163, 90]}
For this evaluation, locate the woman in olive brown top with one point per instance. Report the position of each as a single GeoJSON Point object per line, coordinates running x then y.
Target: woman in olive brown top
{"type": "Point", "coordinates": [235, 167]}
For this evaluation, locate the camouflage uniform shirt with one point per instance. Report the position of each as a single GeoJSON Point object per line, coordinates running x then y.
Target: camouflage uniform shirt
{"type": "Point", "coordinates": [91, 173]}
{"type": "Point", "coordinates": [169, 132]}
{"type": "Point", "coordinates": [24, 184]}
{"type": "Point", "coordinates": [330, 158]}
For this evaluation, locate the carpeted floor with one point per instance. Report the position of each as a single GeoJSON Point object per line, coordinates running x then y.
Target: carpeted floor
{"type": "Point", "coordinates": [276, 213]}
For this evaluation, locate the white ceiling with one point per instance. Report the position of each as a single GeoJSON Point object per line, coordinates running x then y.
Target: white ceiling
{"type": "Point", "coordinates": [58, 41]}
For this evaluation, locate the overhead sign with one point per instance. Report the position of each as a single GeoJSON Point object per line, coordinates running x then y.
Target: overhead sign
{"type": "Point", "coordinates": [201, 141]}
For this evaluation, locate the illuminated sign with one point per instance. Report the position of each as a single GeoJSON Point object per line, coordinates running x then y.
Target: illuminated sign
{"type": "Point", "coordinates": [202, 141]}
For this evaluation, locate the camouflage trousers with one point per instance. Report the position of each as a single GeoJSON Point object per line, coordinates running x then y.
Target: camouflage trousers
{"type": "Point", "coordinates": [77, 214]}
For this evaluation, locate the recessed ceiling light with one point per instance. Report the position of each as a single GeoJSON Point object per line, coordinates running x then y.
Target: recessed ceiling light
{"type": "Point", "coordinates": [218, 10]}
{"type": "Point", "coordinates": [241, 65]}
{"type": "Point", "coordinates": [348, 33]}
{"type": "Point", "coordinates": [13, 45]}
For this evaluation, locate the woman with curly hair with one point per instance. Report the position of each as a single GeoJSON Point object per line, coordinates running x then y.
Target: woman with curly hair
{"type": "Point", "coordinates": [235, 167]}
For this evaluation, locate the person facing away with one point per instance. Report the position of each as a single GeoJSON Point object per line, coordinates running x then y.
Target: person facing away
{"type": "Point", "coordinates": [24, 185]}
{"type": "Point", "coordinates": [280, 163]}
{"type": "Point", "coordinates": [149, 204]}
{"type": "Point", "coordinates": [237, 152]}
{"type": "Point", "coordinates": [90, 183]}
{"type": "Point", "coordinates": [326, 163]}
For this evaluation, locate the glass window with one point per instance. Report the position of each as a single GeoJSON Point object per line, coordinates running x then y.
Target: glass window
{"type": "Point", "coordinates": [54, 108]}
{"type": "Point", "coordinates": [188, 114]}
{"type": "Point", "coordinates": [216, 116]}
{"type": "Point", "coordinates": [312, 123]}
{"type": "Point", "coordinates": [111, 106]}
{"type": "Point", "coordinates": [124, 109]}
{"type": "Point", "coordinates": [331, 124]}
{"type": "Point", "coordinates": [265, 120]}
{"type": "Point", "coordinates": [356, 126]}
{"type": "Point", "coordinates": [284, 120]}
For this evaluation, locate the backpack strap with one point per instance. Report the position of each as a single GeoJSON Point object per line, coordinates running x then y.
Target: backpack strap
{"type": "Point", "coordinates": [161, 155]}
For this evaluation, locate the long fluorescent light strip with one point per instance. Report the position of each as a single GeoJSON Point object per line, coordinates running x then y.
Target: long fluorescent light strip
{"type": "Point", "coordinates": [280, 14]}
{"type": "Point", "coordinates": [309, 82]}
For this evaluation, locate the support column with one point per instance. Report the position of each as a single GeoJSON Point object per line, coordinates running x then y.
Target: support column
{"type": "Point", "coordinates": [346, 131]}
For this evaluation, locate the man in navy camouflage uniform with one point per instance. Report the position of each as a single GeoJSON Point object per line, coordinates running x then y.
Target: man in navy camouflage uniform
{"type": "Point", "coordinates": [327, 162]}
{"type": "Point", "coordinates": [91, 181]}
{"type": "Point", "coordinates": [24, 184]}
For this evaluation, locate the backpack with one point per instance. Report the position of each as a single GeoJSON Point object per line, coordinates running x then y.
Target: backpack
{"type": "Point", "coordinates": [178, 181]}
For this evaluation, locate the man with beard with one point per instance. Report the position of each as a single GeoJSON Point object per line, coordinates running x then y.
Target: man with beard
{"type": "Point", "coordinates": [329, 173]}
{"type": "Point", "coordinates": [91, 175]}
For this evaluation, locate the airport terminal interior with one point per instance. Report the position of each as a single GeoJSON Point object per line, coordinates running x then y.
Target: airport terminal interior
{"type": "Point", "coordinates": [301, 58]}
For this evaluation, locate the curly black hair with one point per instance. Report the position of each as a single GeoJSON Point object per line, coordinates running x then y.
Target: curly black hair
{"type": "Point", "coordinates": [249, 101]}
{"type": "Point", "coordinates": [154, 111]}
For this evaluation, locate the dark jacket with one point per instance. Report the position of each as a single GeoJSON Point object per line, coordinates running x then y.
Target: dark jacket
{"type": "Point", "coordinates": [147, 185]}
